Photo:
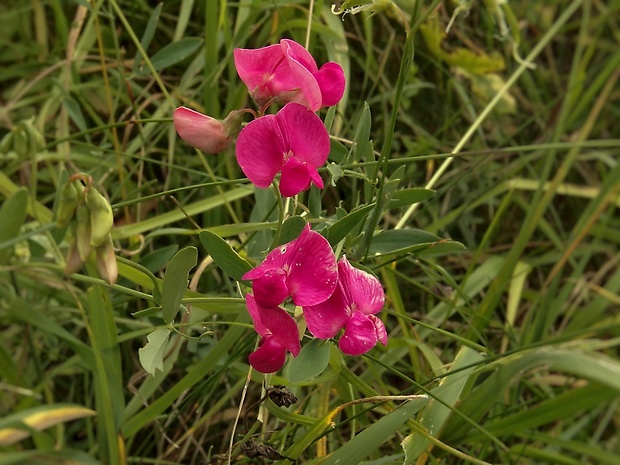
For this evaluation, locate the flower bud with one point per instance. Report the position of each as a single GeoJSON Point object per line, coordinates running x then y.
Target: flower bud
{"type": "Point", "coordinates": [101, 217]}
{"type": "Point", "coordinates": [83, 232]}
{"type": "Point", "coordinates": [67, 205]}
{"type": "Point", "coordinates": [106, 261]}
{"type": "Point", "coordinates": [74, 261]}
{"type": "Point", "coordinates": [201, 131]}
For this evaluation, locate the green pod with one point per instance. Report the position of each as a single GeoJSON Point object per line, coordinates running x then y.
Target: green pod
{"type": "Point", "coordinates": [83, 232]}
{"type": "Point", "coordinates": [101, 217]}
{"type": "Point", "coordinates": [67, 204]}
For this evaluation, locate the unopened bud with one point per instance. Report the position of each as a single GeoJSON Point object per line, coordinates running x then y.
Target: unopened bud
{"type": "Point", "coordinates": [106, 261]}
{"type": "Point", "coordinates": [101, 217]}
{"type": "Point", "coordinates": [74, 261]}
{"type": "Point", "coordinates": [83, 232]}
{"type": "Point", "coordinates": [67, 204]}
{"type": "Point", "coordinates": [201, 131]}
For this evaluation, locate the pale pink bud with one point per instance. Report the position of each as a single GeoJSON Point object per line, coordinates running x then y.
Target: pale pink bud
{"type": "Point", "coordinates": [201, 131]}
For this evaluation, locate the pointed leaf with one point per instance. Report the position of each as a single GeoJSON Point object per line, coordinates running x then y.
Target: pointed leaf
{"type": "Point", "coordinates": [152, 354]}
{"type": "Point", "coordinates": [38, 419]}
{"type": "Point", "coordinates": [224, 255]}
{"type": "Point", "coordinates": [311, 362]}
{"type": "Point", "coordinates": [175, 52]}
{"type": "Point", "coordinates": [362, 445]}
{"type": "Point", "coordinates": [175, 281]}
{"type": "Point", "coordinates": [12, 217]}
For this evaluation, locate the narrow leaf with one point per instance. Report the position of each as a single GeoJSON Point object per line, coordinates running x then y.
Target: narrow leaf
{"type": "Point", "coordinates": [175, 281]}
{"type": "Point", "coordinates": [175, 52]}
{"type": "Point", "coordinates": [39, 418]}
{"type": "Point", "coordinates": [224, 255]}
{"type": "Point", "coordinates": [12, 217]}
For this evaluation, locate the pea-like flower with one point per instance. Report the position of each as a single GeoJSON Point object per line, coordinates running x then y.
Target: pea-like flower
{"type": "Point", "coordinates": [279, 334]}
{"type": "Point", "coordinates": [293, 142]}
{"type": "Point", "coordinates": [205, 133]}
{"type": "Point", "coordinates": [353, 305]}
{"type": "Point", "coordinates": [304, 269]}
{"type": "Point", "coordinates": [286, 72]}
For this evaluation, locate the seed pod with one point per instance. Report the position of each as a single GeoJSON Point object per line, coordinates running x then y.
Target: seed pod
{"type": "Point", "coordinates": [83, 232]}
{"type": "Point", "coordinates": [106, 261]}
{"type": "Point", "coordinates": [67, 205]}
{"type": "Point", "coordinates": [101, 217]}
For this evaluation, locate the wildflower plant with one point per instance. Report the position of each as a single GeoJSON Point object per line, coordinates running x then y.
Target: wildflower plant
{"type": "Point", "coordinates": [188, 182]}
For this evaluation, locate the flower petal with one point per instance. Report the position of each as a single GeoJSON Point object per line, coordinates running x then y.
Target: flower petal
{"type": "Point", "coordinates": [269, 357]}
{"type": "Point", "coordinates": [254, 312]}
{"type": "Point", "coordinates": [200, 131]}
{"type": "Point", "coordinates": [302, 67]}
{"type": "Point", "coordinates": [380, 329]}
{"type": "Point", "coordinates": [306, 135]}
{"type": "Point", "coordinates": [360, 335]}
{"type": "Point", "coordinates": [362, 290]}
{"type": "Point", "coordinates": [282, 327]}
{"type": "Point", "coordinates": [326, 319]}
{"type": "Point", "coordinates": [332, 82]}
{"type": "Point", "coordinates": [295, 178]}
{"type": "Point", "coordinates": [313, 272]}
{"type": "Point", "coordinates": [260, 150]}
{"type": "Point", "coordinates": [270, 289]}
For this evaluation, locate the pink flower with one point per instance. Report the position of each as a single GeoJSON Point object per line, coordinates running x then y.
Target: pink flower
{"type": "Point", "coordinates": [304, 269]}
{"type": "Point", "coordinates": [286, 72]}
{"type": "Point", "coordinates": [279, 334]}
{"type": "Point", "coordinates": [353, 305]}
{"type": "Point", "coordinates": [293, 142]}
{"type": "Point", "coordinates": [205, 133]}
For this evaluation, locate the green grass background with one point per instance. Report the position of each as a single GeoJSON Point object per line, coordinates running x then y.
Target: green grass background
{"type": "Point", "coordinates": [503, 350]}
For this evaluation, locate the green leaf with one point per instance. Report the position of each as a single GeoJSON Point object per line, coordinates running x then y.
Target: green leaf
{"type": "Point", "coordinates": [18, 426]}
{"type": "Point", "coordinates": [175, 281]}
{"type": "Point", "coordinates": [405, 241]}
{"type": "Point", "coordinates": [152, 354]}
{"type": "Point", "coordinates": [175, 52]}
{"type": "Point", "coordinates": [405, 197]}
{"type": "Point", "coordinates": [147, 36]}
{"type": "Point", "coordinates": [224, 255]}
{"type": "Point", "coordinates": [75, 112]}
{"type": "Point", "coordinates": [339, 230]}
{"type": "Point", "coordinates": [291, 229]}
{"type": "Point", "coordinates": [12, 217]}
{"type": "Point", "coordinates": [378, 432]}
{"type": "Point", "coordinates": [311, 361]}
{"type": "Point", "coordinates": [436, 413]}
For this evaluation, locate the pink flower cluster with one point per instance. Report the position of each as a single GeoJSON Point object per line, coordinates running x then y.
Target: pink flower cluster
{"type": "Point", "coordinates": [333, 296]}
{"type": "Point", "coordinates": [294, 142]}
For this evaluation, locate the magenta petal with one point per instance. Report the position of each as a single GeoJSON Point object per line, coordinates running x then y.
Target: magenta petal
{"type": "Point", "coordinates": [326, 319]}
{"type": "Point", "coordinates": [260, 150]}
{"type": "Point", "coordinates": [269, 357]}
{"type": "Point", "coordinates": [309, 90]}
{"type": "Point", "coordinates": [270, 289]}
{"type": "Point", "coordinates": [313, 271]}
{"type": "Point", "coordinates": [299, 53]}
{"type": "Point", "coordinates": [332, 82]}
{"type": "Point", "coordinates": [254, 312]}
{"type": "Point", "coordinates": [380, 329]}
{"type": "Point", "coordinates": [282, 327]}
{"type": "Point", "coordinates": [361, 289]}
{"type": "Point", "coordinates": [294, 178]}
{"type": "Point", "coordinates": [308, 139]}
{"type": "Point", "coordinates": [200, 131]}
{"type": "Point", "coordinates": [359, 336]}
